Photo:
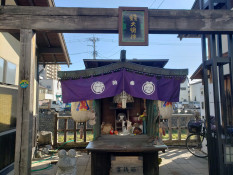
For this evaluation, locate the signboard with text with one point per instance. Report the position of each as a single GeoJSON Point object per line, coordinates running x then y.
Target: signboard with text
{"type": "Point", "coordinates": [133, 26]}
{"type": "Point", "coordinates": [121, 165]}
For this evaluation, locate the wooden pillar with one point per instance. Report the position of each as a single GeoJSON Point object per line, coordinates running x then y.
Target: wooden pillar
{"type": "Point", "coordinates": [170, 128]}
{"type": "Point", "coordinates": [100, 163]}
{"type": "Point", "coordinates": [97, 126]}
{"type": "Point", "coordinates": [65, 130]}
{"type": "Point", "coordinates": [85, 131]}
{"type": "Point", "coordinates": [23, 148]}
{"type": "Point", "coordinates": [150, 163]}
{"type": "Point", "coordinates": [36, 106]}
{"type": "Point", "coordinates": [75, 132]}
{"type": "Point", "coordinates": [3, 2]}
{"type": "Point", "coordinates": [55, 130]}
{"type": "Point", "coordinates": [179, 128]}
{"type": "Point", "coordinates": [152, 116]}
{"type": "Point", "coordinates": [186, 124]}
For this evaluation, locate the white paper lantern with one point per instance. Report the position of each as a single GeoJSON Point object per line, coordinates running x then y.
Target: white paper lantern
{"type": "Point", "coordinates": [81, 111]}
{"type": "Point", "coordinates": [165, 109]}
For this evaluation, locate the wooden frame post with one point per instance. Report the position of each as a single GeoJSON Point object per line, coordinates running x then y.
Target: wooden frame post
{"type": "Point", "coordinates": [56, 124]}
{"type": "Point", "coordinates": [23, 148]}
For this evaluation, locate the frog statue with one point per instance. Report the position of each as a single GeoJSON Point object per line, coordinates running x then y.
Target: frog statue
{"type": "Point", "coordinates": [67, 164]}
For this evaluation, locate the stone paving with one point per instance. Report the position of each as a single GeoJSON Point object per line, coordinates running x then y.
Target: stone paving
{"type": "Point", "coordinates": [181, 162]}
{"type": "Point", "coordinates": [174, 162]}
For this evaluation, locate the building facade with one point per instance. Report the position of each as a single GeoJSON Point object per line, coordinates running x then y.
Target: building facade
{"type": "Point", "coordinates": [9, 59]}
{"type": "Point", "coordinates": [184, 91]}
{"type": "Point", "coordinates": [49, 71]}
{"type": "Point", "coordinates": [51, 89]}
{"type": "Point", "coordinates": [9, 73]}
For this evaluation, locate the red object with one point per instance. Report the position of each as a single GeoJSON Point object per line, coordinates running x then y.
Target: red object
{"type": "Point", "coordinates": [111, 132]}
{"type": "Point", "coordinates": [119, 105]}
{"type": "Point", "coordinates": [83, 105]}
{"type": "Point", "coordinates": [164, 133]}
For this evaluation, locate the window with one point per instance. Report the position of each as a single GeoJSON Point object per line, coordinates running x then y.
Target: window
{"type": "Point", "coordinates": [1, 69]}
{"type": "Point", "coordinates": [10, 73]}
{"type": "Point", "coordinates": [8, 108]}
{"type": "Point", "coordinates": [7, 72]}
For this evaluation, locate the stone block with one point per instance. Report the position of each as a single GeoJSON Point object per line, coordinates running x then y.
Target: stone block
{"type": "Point", "coordinates": [45, 138]}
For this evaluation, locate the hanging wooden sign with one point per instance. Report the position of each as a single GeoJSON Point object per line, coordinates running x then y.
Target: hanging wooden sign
{"type": "Point", "coordinates": [133, 26]}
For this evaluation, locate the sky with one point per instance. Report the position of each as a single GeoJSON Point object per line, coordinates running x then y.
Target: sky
{"type": "Point", "coordinates": [182, 54]}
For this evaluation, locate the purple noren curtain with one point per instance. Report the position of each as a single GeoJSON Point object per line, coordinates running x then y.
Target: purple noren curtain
{"type": "Point", "coordinates": [137, 85]}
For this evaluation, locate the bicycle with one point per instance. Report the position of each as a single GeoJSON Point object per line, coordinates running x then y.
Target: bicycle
{"type": "Point", "coordinates": [194, 142]}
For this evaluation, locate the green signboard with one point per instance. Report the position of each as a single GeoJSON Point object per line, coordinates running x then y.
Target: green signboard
{"type": "Point", "coordinates": [133, 26]}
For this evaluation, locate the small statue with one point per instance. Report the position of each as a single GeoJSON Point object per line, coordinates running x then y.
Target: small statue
{"type": "Point", "coordinates": [106, 128]}
{"type": "Point", "coordinates": [137, 131]}
{"type": "Point", "coordinates": [67, 164]}
{"type": "Point", "coordinates": [81, 132]}
{"type": "Point", "coordinates": [129, 126]}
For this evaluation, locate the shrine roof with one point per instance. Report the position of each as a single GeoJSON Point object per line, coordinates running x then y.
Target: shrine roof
{"type": "Point", "coordinates": [93, 63]}
{"type": "Point", "coordinates": [129, 66]}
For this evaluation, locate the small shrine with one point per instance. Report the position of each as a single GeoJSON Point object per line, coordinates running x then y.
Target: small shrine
{"type": "Point", "coordinates": [124, 100]}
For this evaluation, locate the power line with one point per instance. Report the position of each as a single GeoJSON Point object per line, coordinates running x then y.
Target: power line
{"type": "Point", "coordinates": [115, 53]}
{"type": "Point", "coordinates": [78, 53]}
{"type": "Point", "coordinates": [102, 56]}
{"type": "Point", "coordinates": [152, 43]}
{"type": "Point", "coordinates": [152, 3]}
{"type": "Point", "coordinates": [94, 40]}
{"type": "Point", "coordinates": [160, 4]}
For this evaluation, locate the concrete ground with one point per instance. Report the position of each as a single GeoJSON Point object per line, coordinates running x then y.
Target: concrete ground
{"type": "Point", "coordinates": [174, 162]}
{"type": "Point", "coordinates": [181, 162]}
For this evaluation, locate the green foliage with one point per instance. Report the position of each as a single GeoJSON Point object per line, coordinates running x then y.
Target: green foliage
{"type": "Point", "coordinates": [175, 135]}
{"type": "Point", "coordinates": [159, 160]}
{"type": "Point", "coordinates": [70, 136]}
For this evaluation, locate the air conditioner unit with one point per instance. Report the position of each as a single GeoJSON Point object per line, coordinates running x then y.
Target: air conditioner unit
{"type": "Point", "coordinates": [218, 4]}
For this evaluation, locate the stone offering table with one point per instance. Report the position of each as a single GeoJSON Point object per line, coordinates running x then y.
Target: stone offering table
{"type": "Point", "coordinates": [106, 147]}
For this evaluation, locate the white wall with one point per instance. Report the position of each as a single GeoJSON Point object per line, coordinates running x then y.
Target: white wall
{"type": "Point", "coordinates": [224, 44]}
{"type": "Point", "coordinates": [195, 91]}
{"type": "Point", "coordinates": [211, 99]}
{"type": "Point", "coordinates": [201, 98]}
{"type": "Point", "coordinates": [53, 85]}
{"type": "Point", "coordinates": [10, 51]}
{"type": "Point", "coordinates": [184, 91]}
{"type": "Point", "coordinates": [202, 102]}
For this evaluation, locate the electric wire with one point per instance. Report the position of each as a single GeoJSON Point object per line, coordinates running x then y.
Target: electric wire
{"type": "Point", "coordinates": [160, 4]}
{"type": "Point", "coordinates": [152, 3]}
{"type": "Point", "coordinates": [155, 43]}
{"type": "Point", "coordinates": [78, 53]}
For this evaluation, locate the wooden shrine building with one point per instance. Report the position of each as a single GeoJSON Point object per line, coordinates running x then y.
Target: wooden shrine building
{"type": "Point", "coordinates": [30, 21]}
{"type": "Point", "coordinates": [114, 138]}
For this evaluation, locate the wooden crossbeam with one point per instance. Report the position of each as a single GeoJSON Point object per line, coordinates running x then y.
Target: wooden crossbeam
{"type": "Point", "coordinates": [219, 60]}
{"type": "Point", "coordinates": [105, 20]}
{"type": "Point", "coordinates": [50, 51]}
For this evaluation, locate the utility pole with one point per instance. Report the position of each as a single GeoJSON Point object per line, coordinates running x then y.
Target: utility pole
{"type": "Point", "coordinates": [93, 40]}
